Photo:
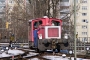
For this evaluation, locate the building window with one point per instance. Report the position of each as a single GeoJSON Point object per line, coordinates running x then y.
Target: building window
{"type": "Point", "coordinates": [84, 26]}
{"type": "Point", "coordinates": [84, 1]}
{"type": "Point", "coordinates": [84, 39]}
{"type": "Point", "coordinates": [84, 14]}
{"type": "Point", "coordinates": [76, 1]}
{"type": "Point", "coordinates": [10, 1]}
{"type": "Point", "coordinates": [0, 7]}
{"type": "Point", "coordinates": [84, 33]}
{"type": "Point", "coordinates": [2, 1]}
{"type": "Point", "coordinates": [84, 20]}
{"type": "Point", "coordinates": [64, 0]}
{"type": "Point", "coordinates": [84, 7]}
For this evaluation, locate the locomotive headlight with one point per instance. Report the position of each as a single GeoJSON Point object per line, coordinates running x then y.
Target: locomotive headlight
{"type": "Point", "coordinates": [66, 36]}
{"type": "Point", "coordinates": [7, 48]}
{"type": "Point", "coordinates": [40, 36]}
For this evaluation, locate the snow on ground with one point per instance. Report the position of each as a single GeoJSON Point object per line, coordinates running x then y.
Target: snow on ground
{"type": "Point", "coordinates": [30, 54]}
{"type": "Point", "coordinates": [10, 53]}
{"type": "Point", "coordinates": [15, 52]}
{"type": "Point", "coordinates": [62, 51]}
{"type": "Point", "coordinates": [4, 55]}
{"type": "Point", "coordinates": [55, 58]}
{"type": "Point", "coordinates": [33, 53]}
{"type": "Point", "coordinates": [61, 58]}
{"type": "Point", "coordinates": [25, 46]}
{"type": "Point", "coordinates": [29, 50]}
{"type": "Point", "coordinates": [34, 59]}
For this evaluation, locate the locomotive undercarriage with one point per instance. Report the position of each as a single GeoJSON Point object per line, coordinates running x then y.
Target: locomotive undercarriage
{"type": "Point", "coordinates": [49, 44]}
{"type": "Point", "coordinates": [52, 44]}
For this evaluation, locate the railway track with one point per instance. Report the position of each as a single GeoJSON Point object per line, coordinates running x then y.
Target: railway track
{"type": "Point", "coordinates": [32, 55]}
{"type": "Point", "coordinates": [40, 56]}
{"type": "Point", "coordinates": [29, 54]}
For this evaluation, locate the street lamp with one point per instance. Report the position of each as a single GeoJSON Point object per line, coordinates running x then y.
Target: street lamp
{"type": "Point", "coordinates": [65, 38]}
{"type": "Point", "coordinates": [70, 52]}
{"type": "Point", "coordinates": [7, 48]}
{"type": "Point", "coordinates": [87, 49]}
{"type": "Point", "coordinates": [87, 29]}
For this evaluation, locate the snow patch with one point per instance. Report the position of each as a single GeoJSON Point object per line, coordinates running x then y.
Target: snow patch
{"type": "Point", "coordinates": [25, 46]}
{"type": "Point", "coordinates": [61, 58]}
{"type": "Point", "coordinates": [29, 50]}
{"type": "Point", "coordinates": [15, 52]}
{"type": "Point", "coordinates": [4, 55]}
{"type": "Point", "coordinates": [10, 53]}
{"type": "Point", "coordinates": [34, 59]}
{"type": "Point", "coordinates": [30, 54]}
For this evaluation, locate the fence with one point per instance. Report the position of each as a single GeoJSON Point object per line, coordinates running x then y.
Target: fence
{"type": "Point", "coordinates": [81, 44]}
{"type": "Point", "coordinates": [17, 41]}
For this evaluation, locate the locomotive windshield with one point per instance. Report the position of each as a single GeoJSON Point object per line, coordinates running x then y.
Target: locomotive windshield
{"type": "Point", "coordinates": [37, 23]}
{"type": "Point", "coordinates": [55, 23]}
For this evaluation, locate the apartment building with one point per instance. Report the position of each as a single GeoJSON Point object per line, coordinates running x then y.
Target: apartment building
{"type": "Point", "coordinates": [65, 16]}
{"type": "Point", "coordinates": [82, 19]}
{"type": "Point", "coordinates": [64, 8]}
{"type": "Point", "coordinates": [2, 16]}
{"type": "Point", "coordinates": [2, 8]}
{"type": "Point", "coordinates": [82, 16]}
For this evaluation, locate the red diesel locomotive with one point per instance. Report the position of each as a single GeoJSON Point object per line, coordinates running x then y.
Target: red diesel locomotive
{"type": "Point", "coordinates": [49, 34]}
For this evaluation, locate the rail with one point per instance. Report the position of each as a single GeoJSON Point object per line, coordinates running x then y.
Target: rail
{"type": "Point", "coordinates": [82, 43]}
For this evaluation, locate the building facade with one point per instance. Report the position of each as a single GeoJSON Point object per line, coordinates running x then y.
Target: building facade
{"type": "Point", "coordinates": [82, 16]}
{"type": "Point", "coordinates": [2, 8]}
{"type": "Point", "coordinates": [2, 17]}
{"type": "Point", "coordinates": [82, 19]}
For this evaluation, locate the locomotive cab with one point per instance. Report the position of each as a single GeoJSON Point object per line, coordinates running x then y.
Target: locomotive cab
{"type": "Point", "coordinates": [49, 31]}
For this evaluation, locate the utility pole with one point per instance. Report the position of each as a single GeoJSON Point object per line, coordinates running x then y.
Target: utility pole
{"type": "Point", "coordinates": [75, 56]}
{"type": "Point", "coordinates": [6, 16]}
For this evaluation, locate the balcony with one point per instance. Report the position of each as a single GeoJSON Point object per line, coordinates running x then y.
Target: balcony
{"type": "Point", "coordinates": [2, 3]}
{"type": "Point", "coordinates": [65, 11]}
{"type": "Point", "coordinates": [64, 4]}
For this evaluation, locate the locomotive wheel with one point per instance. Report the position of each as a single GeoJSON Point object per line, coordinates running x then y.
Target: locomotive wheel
{"type": "Point", "coordinates": [58, 47]}
{"type": "Point", "coordinates": [37, 50]}
{"type": "Point", "coordinates": [46, 45]}
{"type": "Point", "coordinates": [65, 40]}
{"type": "Point", "coordinates": [66, 44]}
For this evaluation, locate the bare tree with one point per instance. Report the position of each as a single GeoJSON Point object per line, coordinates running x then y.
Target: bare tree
{"type": "Point", "coordinates": [18, 20]}
{"type": "Point", "coordinates": [22, 12]}
{"type": "Point", "coordinates": [52, 8]}
{"type": "Point", "coordinates": [44, 7]}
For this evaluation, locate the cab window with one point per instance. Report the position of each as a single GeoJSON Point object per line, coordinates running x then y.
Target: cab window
{"type": "Point", "coordinates": [55, 23]}
{"type": "Point", "coordinates": [37, 23]}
